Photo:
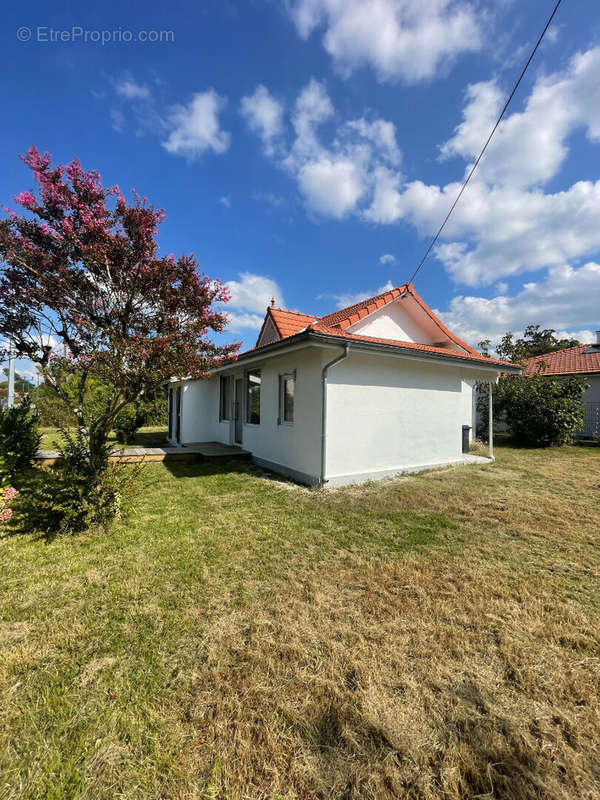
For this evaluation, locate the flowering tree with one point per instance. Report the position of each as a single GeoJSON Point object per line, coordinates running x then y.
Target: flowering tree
{"type": "Point", "coordinates": [84, 293]}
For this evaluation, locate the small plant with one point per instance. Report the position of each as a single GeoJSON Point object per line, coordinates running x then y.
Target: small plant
{"type": "Point", "coordinates": [19, 436]}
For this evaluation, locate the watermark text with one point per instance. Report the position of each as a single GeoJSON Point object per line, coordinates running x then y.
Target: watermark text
{"type": "Point", "coordinates": [44, 34]}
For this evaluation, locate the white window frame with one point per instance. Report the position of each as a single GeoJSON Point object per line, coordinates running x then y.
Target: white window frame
{"type": "Point", "coordinates": [287, 376]}
{"type": "Point", "coordinates": [226, 379]}
{"type": "Point", "coordinates": [247, 404]}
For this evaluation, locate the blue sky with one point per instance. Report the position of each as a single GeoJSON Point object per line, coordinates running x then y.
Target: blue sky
{"type": "Point", "coordinates": [310, 149]}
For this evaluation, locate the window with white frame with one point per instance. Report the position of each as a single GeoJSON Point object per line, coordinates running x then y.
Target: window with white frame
{"type": "Point", "coordinates": [253, 381]}
{"type": "Point", "coordinates": [287, 392]}
{"type": "Point", "coordinates": [225, 399]}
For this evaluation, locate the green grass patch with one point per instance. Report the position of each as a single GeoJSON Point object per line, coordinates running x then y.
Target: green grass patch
{"type": "Point", "coordinates": [238, 636]}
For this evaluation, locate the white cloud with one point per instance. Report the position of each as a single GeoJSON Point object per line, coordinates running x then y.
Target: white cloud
{"type": "Point", "coordinates": [264, 116]}
{"type": "Point", "coordinates": [243, 321]}
{"type": "Point", "coordinates": [195, 127]}
{"type": "Point", "coordinates": [387, 258]}
{"type": "Point", "coordinates": [350, 298]}
{"type": "Point", "coordinates": [332, 178]}
{"type": "Point", "coordinates": [505, 223]}
{"type": "Point", "coordinates": [496, 231]}
{"type": "Point", "coordinates": [225, 200]}
{"type": "Point", "coordinates": [331, 188]}
{"type": "Point", "coordinates": [408, 40]}
{"type": "Point", "coordinates": [117, 119]}
{"type": "Point", "coordinates": [253, 293]}
{"type": "Point", "coordinates": [529, 146]}
{"type": "Point", "coordinates": [128, 88]}
{"type": "Point", "coordinates": [313, 107]}
{"type": "Point", "coordinates": [383, 136]}
{"type": "Point", "coordinates": [566, 299]}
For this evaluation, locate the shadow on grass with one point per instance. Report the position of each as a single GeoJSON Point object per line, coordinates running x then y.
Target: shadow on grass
{"type": "Point", "coordinates": [29, 514]}
{"type": "Point", "coordinates": [32, 510]}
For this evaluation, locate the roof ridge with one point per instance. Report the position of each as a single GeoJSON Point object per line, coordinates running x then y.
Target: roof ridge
{"type": "Point", "coordinates": [292, 311]}
{"type": "Point", "coordinates": [348, 311]}
{"type": "Point", "coordinates": [556, 352]}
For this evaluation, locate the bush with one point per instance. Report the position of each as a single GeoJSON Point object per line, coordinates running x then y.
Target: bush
{"type": "Point", "coordinates": [541, 411]}
{"type": "Point", "coordinates": [126, 424]}
{"type": "Point", "coordinates": [74, 496]}
{"type": "Point", "coordinates": [19, 436]}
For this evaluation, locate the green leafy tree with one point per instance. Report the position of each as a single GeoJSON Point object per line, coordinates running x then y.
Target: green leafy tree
{"type": "Point", "coordinates": [538, 410]}
{"type": "Point", "coordinates": [534, 342]}
{"type": "Point", "coordinates": [542, 410]}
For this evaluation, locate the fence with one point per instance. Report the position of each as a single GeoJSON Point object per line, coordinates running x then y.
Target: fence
{"type": "Point", "coordinates": [591, 420]}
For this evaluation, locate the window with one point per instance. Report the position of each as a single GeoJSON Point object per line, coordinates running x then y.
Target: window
{"type": "Point", "coordinates": [287, 387]}
{"type": "Point", "coordinates": [225, 399]}
{"type": "Point", "coordinates": [253, 396]}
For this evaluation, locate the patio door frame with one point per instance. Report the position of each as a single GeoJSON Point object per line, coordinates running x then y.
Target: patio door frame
{"type": "Point", "coordinates": [178, 399]}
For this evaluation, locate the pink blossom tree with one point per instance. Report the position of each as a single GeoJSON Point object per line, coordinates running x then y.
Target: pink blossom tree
{"type": "Point", "coordinates": [85, 294]}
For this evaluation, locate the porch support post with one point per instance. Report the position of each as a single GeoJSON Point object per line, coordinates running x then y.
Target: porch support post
{"type": "Point", "coordinates": [490, 421]}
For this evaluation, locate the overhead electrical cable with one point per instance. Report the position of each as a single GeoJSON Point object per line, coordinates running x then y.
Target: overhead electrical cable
{"type": "Point", "coordinates": [488, 140]}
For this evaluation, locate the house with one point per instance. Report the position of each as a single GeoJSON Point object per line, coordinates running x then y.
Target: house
{"type": "Point", "coordinates": [369, 391]}
{"type": "Point", "coordinates": [584, 360]}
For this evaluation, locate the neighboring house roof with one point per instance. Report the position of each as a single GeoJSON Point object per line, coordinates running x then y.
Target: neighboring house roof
{"type": "Point", "coordinates": [583, 358]}
{"type": "Point", "coordinates": [292, 324]}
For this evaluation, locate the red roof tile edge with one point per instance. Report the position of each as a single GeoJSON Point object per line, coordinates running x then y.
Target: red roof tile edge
{"type": "Point", "coordinates": [335, 324]}
{"type": "Point", "coordinates": [570, 361]}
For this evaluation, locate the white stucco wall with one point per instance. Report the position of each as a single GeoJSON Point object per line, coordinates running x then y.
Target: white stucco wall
{"type": "Point", "coordinates": [389, 414]}
{"type": "Point", "coordinates": [385, 414]}
{"type": "Point", "coordinates": [200, 413]}
{"type": "Point", "coordinates": [296, 447]}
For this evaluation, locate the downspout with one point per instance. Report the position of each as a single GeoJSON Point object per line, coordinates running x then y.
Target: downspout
{"type": "Point", "coordinates": [324, 372]}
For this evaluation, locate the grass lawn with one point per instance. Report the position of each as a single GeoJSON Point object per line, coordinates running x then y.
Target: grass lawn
{"type": "Point", "coordinates": [150, 436]}
{"type": "Point", "coordinates": [433, 636]}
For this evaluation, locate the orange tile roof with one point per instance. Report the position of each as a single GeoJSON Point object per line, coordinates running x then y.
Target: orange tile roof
{"type": "Point", "coordinates": [348, 316]}
{"type": "Point", "coordinates": [582, 358]}
{"type": "Point", "coordinates": [290, 323]}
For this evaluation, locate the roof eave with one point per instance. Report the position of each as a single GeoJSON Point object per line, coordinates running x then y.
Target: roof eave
{"type": "Point", "coordinates": [409, 352]}
{"type": "Point", "coordinates": [323, 339]}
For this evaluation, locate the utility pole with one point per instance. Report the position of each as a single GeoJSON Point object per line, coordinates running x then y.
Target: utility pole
{"type": "Point", "coordinates": [11, 377]}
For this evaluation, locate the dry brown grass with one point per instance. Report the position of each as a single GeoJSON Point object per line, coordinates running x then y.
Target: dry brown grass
{"type": "Point", "coordinates": [423, 638]}
{"type": "Point", "coordinates": [376, 680]}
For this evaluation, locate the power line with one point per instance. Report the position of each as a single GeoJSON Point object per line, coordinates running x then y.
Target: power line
{"type": "Point", "coordinates": [488, 140]}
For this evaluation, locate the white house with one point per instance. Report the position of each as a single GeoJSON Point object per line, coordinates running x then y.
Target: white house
{"type": "Point", "coordinates": [582, 360]}
{"type": "Point", "coordinates": [372, 390]}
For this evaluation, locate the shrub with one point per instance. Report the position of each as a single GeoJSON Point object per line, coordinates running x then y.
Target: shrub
{"type": "Point", "coordinates": [541, 411]}
{"type": "Point", "coordinates": [126, 423]}
{"type": "Point", "coordinates": [19, 436]}
{"type": "Point", "coordinates": [75, 496]}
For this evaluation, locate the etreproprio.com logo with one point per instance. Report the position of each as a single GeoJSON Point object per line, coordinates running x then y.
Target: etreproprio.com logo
{"type": "Point", "coordinates": [44, 34]}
